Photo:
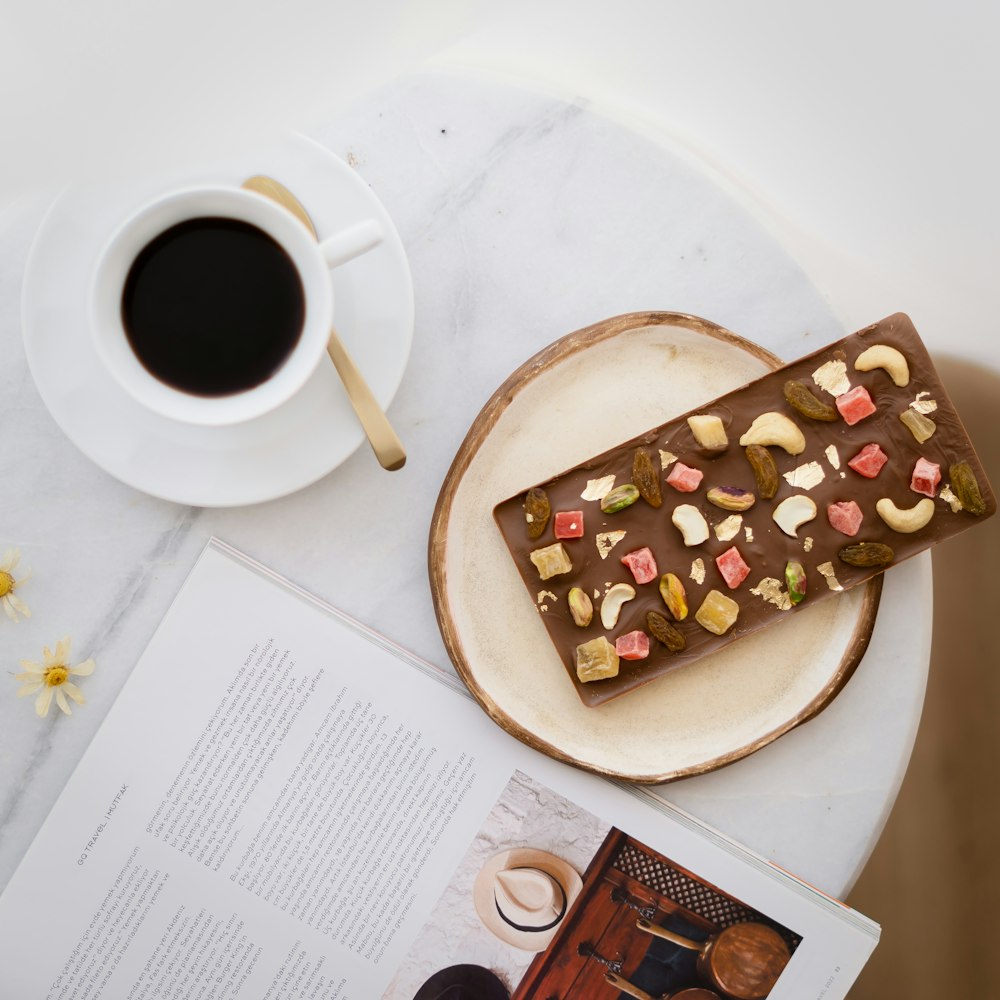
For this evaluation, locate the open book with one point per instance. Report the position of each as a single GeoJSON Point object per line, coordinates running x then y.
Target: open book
{"type": "Point", "coordinates": [283, 804]}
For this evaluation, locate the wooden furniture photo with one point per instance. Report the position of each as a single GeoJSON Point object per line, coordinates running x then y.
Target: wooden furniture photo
{"type": "Point", "coordinates": [644, 927]}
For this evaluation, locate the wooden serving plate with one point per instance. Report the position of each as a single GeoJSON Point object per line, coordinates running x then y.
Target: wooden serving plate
{"type": "Point", "coordinates": [562, 406]}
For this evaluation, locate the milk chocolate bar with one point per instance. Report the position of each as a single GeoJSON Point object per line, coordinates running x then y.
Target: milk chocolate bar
{"type": "Point", "coordinates": [782, 493]}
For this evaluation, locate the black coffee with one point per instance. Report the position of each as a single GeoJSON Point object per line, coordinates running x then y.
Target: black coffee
{"type": "Point", "coordinates": [213, 306]}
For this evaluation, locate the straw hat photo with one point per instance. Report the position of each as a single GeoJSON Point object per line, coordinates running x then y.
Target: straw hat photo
{"type": "Point", "coordinates": [523, 894]}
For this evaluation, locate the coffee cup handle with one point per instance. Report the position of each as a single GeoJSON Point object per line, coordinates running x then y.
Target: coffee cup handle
{"type": "Point", "coordinates": [352, 242]}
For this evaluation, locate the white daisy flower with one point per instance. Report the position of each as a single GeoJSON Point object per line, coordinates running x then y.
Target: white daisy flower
{"type": "Point", "coordinates": [12, 604]}
{"type": "Point", "coordinates": [51, 678]}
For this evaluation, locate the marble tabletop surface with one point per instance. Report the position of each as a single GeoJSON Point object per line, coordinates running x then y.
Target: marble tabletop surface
{"type": "Point", "coordinates": [524, 217]}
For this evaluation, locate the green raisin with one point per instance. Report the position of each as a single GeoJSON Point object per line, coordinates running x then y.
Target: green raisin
{"type": "Point", "coordinates": [966, 487]}
{"type": "Point", "coordinates": [537, 511]}
{"type": "Point", "coordinates": [765, 472]}
{"type": "Point", "coordinates": [646, 478]}
{"type": "Point", "coordinates": [662, 630]}
{"type": "Point", "coordinates": [802, 399]}
{"type": "Point", "coordinates": [866, 554]}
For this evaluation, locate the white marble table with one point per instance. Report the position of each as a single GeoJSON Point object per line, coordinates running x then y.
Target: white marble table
{"type": "Point", "coordinates": [524, 218]}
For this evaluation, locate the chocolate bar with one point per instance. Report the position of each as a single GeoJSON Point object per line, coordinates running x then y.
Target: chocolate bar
{"type": "Point", "coordinates": [787, 491]}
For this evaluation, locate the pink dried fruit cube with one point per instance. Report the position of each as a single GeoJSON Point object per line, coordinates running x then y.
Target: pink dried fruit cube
{"type": "Point", "coordinates": [926, 476]}
{"type": "Point", "coordinates": [845, 517]}
{"type": "Point", "coordinates": [642, 564]}
{"type": "Point", "coordinates": [568, 524]}
{"type": "Point", "coordinates": [869, 461]}
{"type": "Point", "coordinates": [684, 478]}
{"type": "Point", "coordinates": [632, 645]}
{"type": "Point", "coordinates": [855, 405]}
{"type": "Point", "coordinates": [732, 567]}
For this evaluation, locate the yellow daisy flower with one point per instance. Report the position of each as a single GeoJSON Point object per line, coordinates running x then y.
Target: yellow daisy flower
{"type": "Point", "coordinates": [52, 678]}
{"type": "Point", "coordinates": [12, 604]}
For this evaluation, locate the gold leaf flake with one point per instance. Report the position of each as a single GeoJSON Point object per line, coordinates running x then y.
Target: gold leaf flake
{"type": "Point", "coordinates": [607, 540]}
{"type": "Point", "coordinates": [748, 531]}
{"type": "Point", "coordinates": [832, 377]}
{"type": "Point", "coordinates": [807, 545]}
{"type": "Point", "coordinates": [948, 495]}
{"type": "Point", "coordinates": [922, 404]}
{"type": "Point", "coordinates": [667, 458]}
{"type": "Point", "coordinates": [833, 456]}
{"type": "Point", "coordinates": [598, 489]}
{"type": "Point", "coordinates": [729, 528]}
{"type": "Point", "coordinates": [542, 594]}
{"type": "Point", "coordinates": [805, 477]}
{"type": "Point", "coordinates": [698, 571]}
{"type": "Point", "coordinates": [770, 589]}
{"type": "Point", "coordinates": [831, 577]}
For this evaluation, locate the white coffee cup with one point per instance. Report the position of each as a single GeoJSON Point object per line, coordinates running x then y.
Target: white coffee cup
{"type": "Point", "coordinates": [313, 262]}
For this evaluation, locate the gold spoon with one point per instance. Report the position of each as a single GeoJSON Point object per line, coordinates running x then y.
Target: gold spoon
{"type": "Point", "coordinates": [386, 445]}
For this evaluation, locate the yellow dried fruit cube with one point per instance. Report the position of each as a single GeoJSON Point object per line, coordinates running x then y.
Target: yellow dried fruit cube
{"type": "Point", "coordinates": [921, 427]}
{"type": "Point", "coordinates": [596, 660]}
{"type": "Point", "coordinates": [717, 613]}
{"type": "Point", "coordinates": [551, 560]}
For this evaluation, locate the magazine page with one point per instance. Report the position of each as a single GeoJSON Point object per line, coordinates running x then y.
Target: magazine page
{"type": "Point", "coordinates": [282, 804]}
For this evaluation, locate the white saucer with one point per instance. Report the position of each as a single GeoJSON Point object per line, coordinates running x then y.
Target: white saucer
{"type": "Point", "coordinates": [265, 458]}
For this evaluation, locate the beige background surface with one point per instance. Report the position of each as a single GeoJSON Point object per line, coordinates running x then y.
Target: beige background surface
{"type": "Point", "coordinates": [933, 881]}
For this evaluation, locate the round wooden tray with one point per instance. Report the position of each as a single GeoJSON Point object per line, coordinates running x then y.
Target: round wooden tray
{"type": "Point", "coordinates": [560, 407]}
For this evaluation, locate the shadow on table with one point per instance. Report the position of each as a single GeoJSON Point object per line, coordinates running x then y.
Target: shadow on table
{"type": "Point", "coordinates": [936, 863]}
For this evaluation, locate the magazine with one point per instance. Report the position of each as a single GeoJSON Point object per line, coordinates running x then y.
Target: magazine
{"type": "Point", "coordinates": [284, 804]}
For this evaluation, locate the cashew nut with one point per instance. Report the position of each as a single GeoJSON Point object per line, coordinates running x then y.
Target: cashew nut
{"type": "Point", "coordinates": [884, 356]}
{"type": "Point", "coordinates": [691, 523]}
{"type": "Point", "coordinates": [776, 428]}
{"type": "Point", "coordinates": [905, 521]}
{"type": "Point", "coordinates": [793, 512]}
{"type": "Point", "coordinates": [611, 606]}
{"type": "Point", "coordinates": [709, 432]}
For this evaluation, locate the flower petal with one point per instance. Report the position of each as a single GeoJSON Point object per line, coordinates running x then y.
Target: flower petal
{"type": "Point", "coordinates": [9, 608]}
{"type": "Point", "coordinates": [84, 669]}
{"type": "Point", "coordinates": [62, 650]}
{"type": "Point", "coordinates": [10, 559]}
{"type": "Point", "coordinates": [62, 702]}
{"type": "Point", "coordinates": [19, 605]}
{"type": "Point", "coordinates": [32, 667]}
{"type": "Point", "coordinates": [30, 687]}
{"type": "Point", "coordinates": [74, 692]}
{"type": "Point", "coordinates": [43, 702]}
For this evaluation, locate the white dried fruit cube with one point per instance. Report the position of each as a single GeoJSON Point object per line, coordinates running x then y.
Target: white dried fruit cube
{"type": "Point", "coordinates": [552, 560]}
{"type": "Point", "coordinates": [709, 432]}
{"type": "Point", "coordinates": [717, 613]}
{"type": "Point", "coordinates": [596, 660]}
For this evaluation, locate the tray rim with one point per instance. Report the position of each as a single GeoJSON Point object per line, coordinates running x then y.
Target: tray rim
{"type": "Point", "coordinates": [484, 422]}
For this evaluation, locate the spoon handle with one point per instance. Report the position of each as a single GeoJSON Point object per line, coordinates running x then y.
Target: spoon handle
{"type": "Point", "coordinates": [386, 445]}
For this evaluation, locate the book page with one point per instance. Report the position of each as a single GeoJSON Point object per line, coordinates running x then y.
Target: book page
{"type": "Point", "coordinates": [282, 804]}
